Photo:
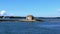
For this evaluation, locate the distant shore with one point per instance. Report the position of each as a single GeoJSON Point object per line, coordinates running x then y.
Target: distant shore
{"type": "Point", "coordinates": [18, 20]}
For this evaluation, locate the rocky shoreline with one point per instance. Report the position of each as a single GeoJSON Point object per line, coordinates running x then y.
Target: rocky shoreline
{"type": "Point", "coordinates": [28, 18]}
{"type": "Point", "coordinates": [20, 20]}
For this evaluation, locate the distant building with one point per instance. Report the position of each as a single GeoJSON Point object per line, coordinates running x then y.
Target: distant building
{"type": "Point", "coordinates": [29, 17]}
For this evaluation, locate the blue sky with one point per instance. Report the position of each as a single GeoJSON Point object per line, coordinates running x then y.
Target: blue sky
{"type": "Point", "coordinates": [41, 8]}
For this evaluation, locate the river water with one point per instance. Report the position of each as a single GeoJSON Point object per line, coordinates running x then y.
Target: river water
{"type": "Point", "coordinates": [29, 27]}
{"type": "Point", "coordinates": [46, 27]}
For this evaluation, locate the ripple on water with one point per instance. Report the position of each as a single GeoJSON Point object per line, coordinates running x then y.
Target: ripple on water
{"type": "Point", "coordinates": [29, 28]}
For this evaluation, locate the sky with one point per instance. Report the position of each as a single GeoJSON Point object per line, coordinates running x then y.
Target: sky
{"type": "Point", "coordinates": [38, 8]}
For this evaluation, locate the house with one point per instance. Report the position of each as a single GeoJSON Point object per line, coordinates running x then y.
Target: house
{"type": "Point", "coordinates": [29, 17]}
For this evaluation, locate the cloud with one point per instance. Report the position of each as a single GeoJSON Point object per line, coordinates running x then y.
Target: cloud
{"type": "Point", "coordinates": [58, 10]}
{"type": "Point", "coordinates": [3, 12]}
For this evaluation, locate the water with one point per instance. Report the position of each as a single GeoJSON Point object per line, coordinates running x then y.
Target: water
{"type": "Point", "coordinates": [47, 27]}
{"type": "Point", "coordinates": [30, 28]}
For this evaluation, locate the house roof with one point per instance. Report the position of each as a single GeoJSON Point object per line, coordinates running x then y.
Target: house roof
{"type": "Point", "coordinates": [30, 16]}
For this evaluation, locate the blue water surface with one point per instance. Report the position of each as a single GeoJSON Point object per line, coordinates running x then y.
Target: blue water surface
{"type": "Point", "coordinates": [30, 27]}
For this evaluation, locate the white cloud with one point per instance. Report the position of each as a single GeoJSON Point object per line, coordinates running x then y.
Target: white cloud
{"type": "Point", "coordinates": [3, 12]}
{"type": "Point", "coordinates": [58, 10]}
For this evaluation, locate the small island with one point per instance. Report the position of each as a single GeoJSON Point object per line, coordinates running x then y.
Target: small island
{"type": "Point", "coordinates": [28, 18]}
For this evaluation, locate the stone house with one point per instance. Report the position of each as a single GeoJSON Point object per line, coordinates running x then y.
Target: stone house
{"type": "Point", "coordinates": [29, 17]}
